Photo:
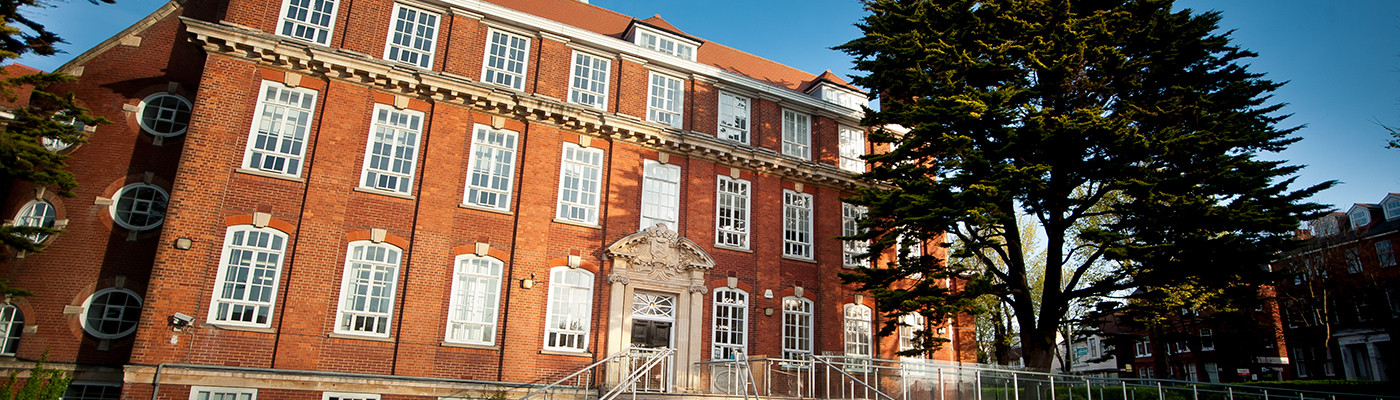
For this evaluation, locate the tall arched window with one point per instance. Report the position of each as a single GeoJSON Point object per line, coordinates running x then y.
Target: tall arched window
{"type": "Point", "coordinates": [476, 297]}
{"type": "Point", "coordinates": [857, 332]}
{"type": "Point", "coordinates": [570, 306]}
{"type": "Point", "coordinates": [367, 289]}
{"type": "Point", "coordinates": [248, 275]}
{"type": "Point", "coordinates": [797, 328]}
{"type": "Point", "coordinates": [731, 327]}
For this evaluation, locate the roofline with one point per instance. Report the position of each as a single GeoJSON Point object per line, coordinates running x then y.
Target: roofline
{"type": "Point", "coordinates": [621, 46]}
{"type": "Point", "coordinates": [850, 86]}
{"type": "Point", "coordinates": [698, 41]}
{"type": "Point", "coordinates": [72, 66]}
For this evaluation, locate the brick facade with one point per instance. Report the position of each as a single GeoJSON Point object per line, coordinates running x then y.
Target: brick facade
{"type": "Point", "coordinates": [221, 55]}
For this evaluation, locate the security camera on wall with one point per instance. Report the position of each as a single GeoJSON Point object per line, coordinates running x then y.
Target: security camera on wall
{"type": "Point", "coordinates": [180, 320]}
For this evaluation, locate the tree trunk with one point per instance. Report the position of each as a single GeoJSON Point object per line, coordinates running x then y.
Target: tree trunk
{"type": "Point", "coordinates": [1038, 348]}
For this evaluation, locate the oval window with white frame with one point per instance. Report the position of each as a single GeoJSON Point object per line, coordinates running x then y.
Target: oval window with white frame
{"type": "Point", "coordinates": [139, 206]}
{"type": "Point", "coordinates": [165, 114]}
{"type": "Point", "coordinates": [111, 313]}
{"type": "Point", "coordinates": [38, 213]}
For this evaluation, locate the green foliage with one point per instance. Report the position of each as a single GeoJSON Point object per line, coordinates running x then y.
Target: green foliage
{"type": "Point", "coordinates": [1131, 133]}
{"type": "Point", "coordinates": [48, 116]}
{"type": "Point", "coordinates": [42, 384]}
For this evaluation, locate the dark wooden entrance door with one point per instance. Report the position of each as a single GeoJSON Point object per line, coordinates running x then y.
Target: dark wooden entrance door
{"type": "Point", "coordinates": [651, 334]}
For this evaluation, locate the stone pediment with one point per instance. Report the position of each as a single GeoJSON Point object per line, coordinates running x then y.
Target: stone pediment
{"type": "Point", "coordinates": [659, 253]}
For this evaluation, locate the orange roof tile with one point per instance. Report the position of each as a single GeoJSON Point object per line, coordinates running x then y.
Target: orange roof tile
{"type": "Point", "coordinates": [658, 22]}
{"type": "Point", "coordinates": [611, 23]}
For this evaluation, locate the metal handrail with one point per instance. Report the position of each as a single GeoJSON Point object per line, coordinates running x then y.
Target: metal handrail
{"type": "Point", "coordinates": [638, 373]}
{"type": "Point", "coordinates": [823, 360]}
{"type": "Point", "coordinates": [576, 373]}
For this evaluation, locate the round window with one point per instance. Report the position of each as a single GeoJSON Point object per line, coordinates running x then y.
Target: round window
{"type": "Point", "coordinates": [37, 213]}
{"type": "Point", "coordinates": [139, 206]}
{"type": "Point", "coordinates": [164, 114]}
{"type": "Point", "coordinates": [111, 313]}
{"type": "Point", "coordinates": [55, 145]}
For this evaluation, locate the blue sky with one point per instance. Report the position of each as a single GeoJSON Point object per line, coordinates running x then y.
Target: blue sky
{"type": "Point", "coordinates": [1341, 59]}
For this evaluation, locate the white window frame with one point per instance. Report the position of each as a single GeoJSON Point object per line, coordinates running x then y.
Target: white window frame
{"type": "Point", "coordinates": [491, 171]}
{"type": "Point", "coordinates": [421, 45]}
{"type": "Point", "coordinates": [1207, 339]}
{"type": "Point", "coordinates": [797, 328]}
{"type": "Point", "coordinates": [731, 313]}
{"type": "Point", "coordinates": [850, 226]}
{"type": "Point", "coordinates": [797, 224]}
{"type": "Point", "coordinates": [663, 43]}
{"type": "Point", "coordinates": [1143, 347]}
{"type": "Point", "coordinates": [576, 315]}
{"type": "Point", "coordinates": [322, 33]}
{"type": "Point", "coordinates": [391, 153]}
{"type": "Point", "coordinates": [588, 80]}
{"type": "Point", "coordinates": [580, 183]}
{"type": "Point", "coordinates": [797, 134]}
{"type": "Point", "coordinates": [382, 282]}
{"type": "Point", "coordinates": [122, 313]}
{"type": "Point", "coordinates": [910, 325]}
{"type": "Point", "coordinates": [911, 248]}
{"type": "Point", "coordinates": [11, 329]}
{"type": "Point", "coordinates": [1392, 208]}
{"type": "Point", "coordinates": [218, 393]}
{"type": "Point", "coordinates": [661, 194]}
{"type": "Point", "coordinates": [37, 213]}
{"type": "Point", "coordinates": [857, 333]}
{"type": "Point", "coordinates": [1359, 218]}
{"type": "Point", "coordinates": [732, 212]}
{"type": "Point", "coordinates": [1385, 253]}
{"type": "Point", "coordinates": [665, 100]}
{"type": "Point", "coordinates": [734, 115]}
{"type": "Point", "coordinates": [280, 151]}
{"type": "Point", "coordinates": [476, 300]}
{"type": "Point", "coordinates": [503, 75]}
{"type": "Point", "coordinates": [253, 270]}
{"type": "Point", "coordinates": [151, 208]}
{"type": "Point", "coordinates": [852, 148]}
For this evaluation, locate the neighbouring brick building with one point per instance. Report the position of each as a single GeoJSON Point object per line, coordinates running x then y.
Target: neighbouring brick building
{"type": "Point", "coordinates": [1341, 301]}
{"type": "Point", "coordinates": [1242, 345]}
{"type": "Point", "coordinates": [309, 199]}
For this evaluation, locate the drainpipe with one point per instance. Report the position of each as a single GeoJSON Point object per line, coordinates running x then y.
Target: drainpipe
{"type": "Point", "coordinates": [155, 382]}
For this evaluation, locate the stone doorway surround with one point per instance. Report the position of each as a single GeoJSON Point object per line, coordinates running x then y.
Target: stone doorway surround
{"type": "Point", "coordinates": [658, 260]}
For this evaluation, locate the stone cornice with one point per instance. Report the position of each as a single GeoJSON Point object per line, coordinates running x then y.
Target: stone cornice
{"type": "Point", "coordinates": [280, 53]}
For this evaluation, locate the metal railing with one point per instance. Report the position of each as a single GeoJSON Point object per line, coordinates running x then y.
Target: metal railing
{"type": "Point", "coordinates": [730, 377]}
{"type": "Point", "coordinates": [849, 378]}
{"type": "Point", "coordinates": [642, 374]}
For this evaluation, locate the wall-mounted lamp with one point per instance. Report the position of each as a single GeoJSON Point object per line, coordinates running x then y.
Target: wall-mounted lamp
{"type": "Point", "coordinates": [183, 243]}
{"type": "Point", "coordinates": [768, 311]}
{"type": "Point", "coordinates": [528, 283]}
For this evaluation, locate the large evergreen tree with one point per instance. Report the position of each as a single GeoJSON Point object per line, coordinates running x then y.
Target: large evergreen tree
{"type": "Point", "coordinates": [47, 116]}
{"type": "Point", "coordinates": [1132, 133]}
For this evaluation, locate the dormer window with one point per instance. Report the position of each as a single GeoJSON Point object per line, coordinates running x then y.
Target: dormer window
{"type": "Point", "coordinates": [661, 42]}
{"type": "Point", "coordinates": [1392, 207]}
{"type": "Point", "coordinates": [834, 95]}
{"type": "Point", "coordinates": [1360, 216]}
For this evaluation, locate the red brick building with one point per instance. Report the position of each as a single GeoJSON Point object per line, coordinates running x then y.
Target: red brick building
{"type": "Point", "coordinates": [1340, 302]}
{"type": "Point", "coordinates": [427, 198]}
